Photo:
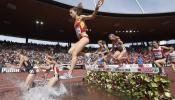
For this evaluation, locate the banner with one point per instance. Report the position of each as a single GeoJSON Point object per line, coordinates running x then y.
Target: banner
{"type": "Point", "coordinates": [130, 65]}
{"type": "Point", "coordinates": [9, 70]}
{"type": "Point", "coordinates": [127, 68]}
{"type": "Point", "coordinates": [16, 70]}
{"type": "Point", "coordinates": [141, 70]}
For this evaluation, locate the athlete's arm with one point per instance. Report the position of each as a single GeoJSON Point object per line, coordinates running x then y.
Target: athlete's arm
{"type": "Point", "coordinates": [88, 17]}
{"type": "Point", "coordinates": [167, 48]}
{"type": "Point", "coordinates": [21, 62]}
{"type": "Point", "coordinates": [106, 47]}
{"type": "Point", "coordinates": [150, 49]}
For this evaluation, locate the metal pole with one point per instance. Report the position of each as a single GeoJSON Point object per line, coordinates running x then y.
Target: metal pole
{"type": "Point", "coordinates": [95, 3]}
{"type": "Point", "coordinates": [141, 8]}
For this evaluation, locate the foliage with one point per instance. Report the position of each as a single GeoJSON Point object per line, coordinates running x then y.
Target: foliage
{"type": "Point", "coordinates": [137, 85]}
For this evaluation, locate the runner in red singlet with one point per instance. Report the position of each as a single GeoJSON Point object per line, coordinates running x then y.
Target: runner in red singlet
{"type": "Point", "coordinates": [118, 48]}
{"type": "Point", "coordinates": [51, 64]}
{"type": "Point", "coordinates": [160, 55]}
{"type": "Point", "coordinates": [172, 59]}
{"type": "Point", "coordinates": [81, 30]}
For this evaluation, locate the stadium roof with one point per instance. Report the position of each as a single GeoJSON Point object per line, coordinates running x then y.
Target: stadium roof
{"type": "Point", "coordinates": [50, 20]}
{"type": "Point", "coordinates": [127, 6]}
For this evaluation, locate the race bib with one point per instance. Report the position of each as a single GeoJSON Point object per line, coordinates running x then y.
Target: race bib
{"type": "Point", "coordinates": [158, 55]}
{"type": "Point", "coordinates": [78, 31]}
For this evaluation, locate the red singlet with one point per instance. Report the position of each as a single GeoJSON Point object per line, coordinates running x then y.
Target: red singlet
{"type": "Point", "coordinates": [158, 53]}
{"type": "Point", "coordinates": [55, 70]}
{"type": "Point", "coordinates": [80, 28]}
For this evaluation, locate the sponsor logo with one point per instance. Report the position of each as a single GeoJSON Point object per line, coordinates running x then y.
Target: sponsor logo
{"type": "Point", "coordinates": [148, 70]}
{"type": "Point", "coordinates": [123, 70]}
{"type": "Point", "coordinates": [10, 70]}
{"type": "Point", "coordinates": [130, 68]}
{"type": "Point", "coordinates": [147, 65]}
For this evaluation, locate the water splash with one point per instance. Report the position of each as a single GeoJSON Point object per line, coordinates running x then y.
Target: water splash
{"type": "Point", "coordinates": [45, 93]}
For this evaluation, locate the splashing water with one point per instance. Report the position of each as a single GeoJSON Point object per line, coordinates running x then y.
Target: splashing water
{"type": "Point", "coordinates": [44, 93]}
{"type": "Point", "coordinates": [39, 92]}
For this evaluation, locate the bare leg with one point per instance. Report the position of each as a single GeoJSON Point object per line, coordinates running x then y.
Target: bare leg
{"type": "Point", "coordinates": [173, 67]}
{"type": "Point", "coordinates": [105, 65]}
{"type": "Point", "coordinates": [29, 80]}
{"type": "Point", "coordinates": [79, 46]}
{"type": "Point", "coordinates": [52, 82]}
{"type": "Point", "coordinates": [116, 54]}
{"type": "Point", "coordinates": [121, 56]}
{"type": "Point", "coordinates": [72, 48]}
{"type": "Point", "coordinates": [159, 63]}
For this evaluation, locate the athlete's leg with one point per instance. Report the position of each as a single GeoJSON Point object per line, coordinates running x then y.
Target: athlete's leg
{"type": "Point", "coordinates": [173, 66]}
{"type": "Point", "coordinates": [29, 80]}
{"type": "Point", "coordinates": [159, 63]}
{"type": "Point", "coordinates": [122, 56]}
{"type": "Point", "coordinates": [116, 54]}
{"type": "Point", "coordinates": [105, 65]}
{"type": "Point", "coordinates": [53, 81]}
{"type": "Point", "coordinates": [79, 46]}
{"type": "Point", "coordinates": [72, 48]}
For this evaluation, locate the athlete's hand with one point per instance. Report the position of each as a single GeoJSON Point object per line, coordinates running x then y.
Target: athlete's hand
{"type": "Point", "coordinates": [100, 3]}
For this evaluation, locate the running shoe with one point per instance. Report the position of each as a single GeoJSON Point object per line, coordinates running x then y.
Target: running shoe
{"type": "Point", "coordinates": [65, 76]}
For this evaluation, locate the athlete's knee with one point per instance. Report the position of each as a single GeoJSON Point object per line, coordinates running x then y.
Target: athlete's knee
{"type": "Point", "coordinates": [114, 57]}
{"type": "Point", "coordinates": [119, 58]}
{"type": "Point", "coordinates": [155, 62]}
{"type": "Point", "coordinates": [71, 50]}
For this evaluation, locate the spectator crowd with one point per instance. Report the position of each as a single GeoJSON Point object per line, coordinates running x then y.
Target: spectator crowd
{"type": "Point", "coordinates": [36, 53]}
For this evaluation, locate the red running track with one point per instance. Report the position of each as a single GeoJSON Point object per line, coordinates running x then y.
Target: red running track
{"type": "Point", "coordinates": [10, 87]}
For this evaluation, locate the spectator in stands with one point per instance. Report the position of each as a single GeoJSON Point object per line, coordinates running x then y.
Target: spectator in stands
{"type": "Point", "coordinates": [101, 61]}
{"type": "Point", "coordinates": [140, 60]}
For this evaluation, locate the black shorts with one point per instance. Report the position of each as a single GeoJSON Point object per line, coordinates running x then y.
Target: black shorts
{"type": "Point", "coordinates": [29, 69]}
